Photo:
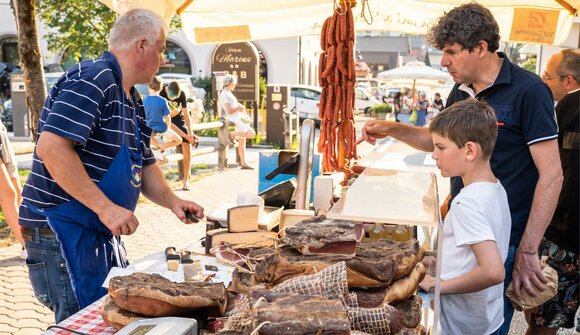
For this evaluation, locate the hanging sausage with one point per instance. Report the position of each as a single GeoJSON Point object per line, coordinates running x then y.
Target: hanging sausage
{"type": "Point", "coordinates": [337, 78]}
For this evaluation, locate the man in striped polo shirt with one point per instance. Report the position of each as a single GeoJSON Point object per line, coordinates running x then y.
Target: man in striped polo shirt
{"type": "Point", "coordinates": [91, 160]}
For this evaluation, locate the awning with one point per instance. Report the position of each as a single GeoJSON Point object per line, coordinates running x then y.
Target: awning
{"type": "Point", "coordinates": [216, 21]}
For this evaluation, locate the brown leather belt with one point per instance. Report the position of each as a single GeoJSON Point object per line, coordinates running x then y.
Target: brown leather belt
{"type": "Point", "coordinates": [29, 233]}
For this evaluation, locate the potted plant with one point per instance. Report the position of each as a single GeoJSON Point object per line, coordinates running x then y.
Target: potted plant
{"type": "Point", "coordinates": [380, 111]}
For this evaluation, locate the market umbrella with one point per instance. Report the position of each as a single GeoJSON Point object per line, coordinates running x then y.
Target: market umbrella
{"type": "Point", "coordinates": [415, 71]}
{"type": "Point", "coordinates": [218, 21]}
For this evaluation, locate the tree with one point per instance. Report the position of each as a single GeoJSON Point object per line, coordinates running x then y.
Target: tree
{"type": "Point", "coordinates": [79, 28]}
{"type": "Point", "coordinates": [30, 59]}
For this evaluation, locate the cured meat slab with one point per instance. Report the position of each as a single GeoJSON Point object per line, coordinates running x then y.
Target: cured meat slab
{"type": "Point", "coordinates": [376, 264]}
{"type": "Point", "coordinates": [316, 236]}
{"type": "Point", "coordinates": [153, 295]}
{"type": "Point", "coordinates": [293, 314]}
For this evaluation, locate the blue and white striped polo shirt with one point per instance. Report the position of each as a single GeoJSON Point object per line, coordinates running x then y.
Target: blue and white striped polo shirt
{"type": "Point", "coordinates": [85, 106]}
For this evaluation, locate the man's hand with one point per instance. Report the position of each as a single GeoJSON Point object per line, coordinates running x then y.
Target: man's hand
{"type": "Point", "coordinates": [181, 206]}
{"type": "Point", "coordinates": [119, 220]}
{"type": "Point", "coordinates": [528, 275]}
{"type": "Point", "coordinates": [373, 130]}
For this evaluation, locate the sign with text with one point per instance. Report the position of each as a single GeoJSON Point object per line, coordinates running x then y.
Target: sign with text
{"type": "Point", "coordinates": [534, 25]}
{"type": "Point", "coordinates": [241, 60]}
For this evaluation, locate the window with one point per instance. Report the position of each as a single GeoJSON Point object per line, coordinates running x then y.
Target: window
{"type": "Point", "coordinates": [177, 60]}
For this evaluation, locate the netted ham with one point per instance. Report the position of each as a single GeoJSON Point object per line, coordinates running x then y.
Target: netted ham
{"type": "Point", "coordinates": [153, 295]}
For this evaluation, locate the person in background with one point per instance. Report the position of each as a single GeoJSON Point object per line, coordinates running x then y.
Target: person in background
{"type": "Point", "coordinates": [158, 117]}
{"type": "Point", "coordinates": [437, 103]}
{"type": "Point", "coordinates": [477, 227]}
{"type": "Point", "coordinates": [422, 105]}
{"type": "Point", "coordinates": [180, 118]}
{"type": "Point", "coordinates": [10, 192]}
{"type": "Point", "coordinates": [525, 158]}
{"type": "Point", "coordinates": [237, 114]}
{"type": "Point", "coordinates": [91, 161]}
{"type": "Point", "coordinates": [397, 105]}
{"type": "Point", "coordinates": [560, 242]}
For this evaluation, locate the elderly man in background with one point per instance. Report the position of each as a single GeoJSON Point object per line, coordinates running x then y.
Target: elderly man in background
{"type": "Point", "coordinates": [560, 242]}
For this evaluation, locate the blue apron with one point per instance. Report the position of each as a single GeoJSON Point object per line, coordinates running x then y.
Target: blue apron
{"type": "Point", "coordinates": [88, 246]}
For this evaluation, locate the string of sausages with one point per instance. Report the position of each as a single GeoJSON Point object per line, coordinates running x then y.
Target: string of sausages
{"type": "Point", "coordinates": [336, 76]}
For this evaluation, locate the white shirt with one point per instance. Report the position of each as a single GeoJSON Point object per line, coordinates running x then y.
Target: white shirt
{"type": "Point", "coordinates": [227, 97]}
{"type": "Point", "coordinates": [478, 213]}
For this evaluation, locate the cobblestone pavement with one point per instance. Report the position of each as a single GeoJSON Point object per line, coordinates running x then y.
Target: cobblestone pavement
{"type": "Point", "coordinates": [22, 314]}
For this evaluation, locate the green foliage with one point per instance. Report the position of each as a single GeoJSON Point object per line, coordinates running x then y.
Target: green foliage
{"type": "Point", "coordinates": [530, 64]}
{"type": "Point", "coordinates": [79, 28]}
{"type": "Point", "coordinates": [381, 108]}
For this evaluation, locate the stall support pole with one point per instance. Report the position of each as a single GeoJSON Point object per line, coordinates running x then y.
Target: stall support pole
{"type": "Point", "coordinates": [223, 144]}
{"type": "Point", "coordinates": [305, 165]}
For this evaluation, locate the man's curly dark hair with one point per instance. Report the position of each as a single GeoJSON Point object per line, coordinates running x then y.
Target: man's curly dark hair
{"type": "Point", "coordinates": [465, 25]}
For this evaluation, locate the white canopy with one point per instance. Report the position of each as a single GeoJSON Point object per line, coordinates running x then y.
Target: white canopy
{"type": "Point", "coordinates": [214, 21]}
{"type": "Point", "coordinates": [414, 70]}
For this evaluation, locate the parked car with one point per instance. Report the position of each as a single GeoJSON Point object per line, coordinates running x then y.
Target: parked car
{"type": "Point", "coordinates": [50, 78]}
{"type": "Point", "coordinates": [194, 103]}
{"type": "Point", "coordinates": [364, 100]}
{"type": "Point", "coordinates": [305, 100]}
{"type": "Point", "coordinates": [167, 77]}
{"type": "Point", "coordinates": [6, 115]}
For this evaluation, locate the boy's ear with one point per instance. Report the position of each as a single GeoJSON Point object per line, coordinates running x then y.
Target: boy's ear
{"type": "Point", "coordinates": [472, 151]}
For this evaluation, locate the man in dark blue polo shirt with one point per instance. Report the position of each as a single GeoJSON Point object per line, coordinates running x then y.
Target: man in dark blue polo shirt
{"type": "Point", "coordinates": [91, 161]}
{"type": "Point", "coordinates": [525, 158]}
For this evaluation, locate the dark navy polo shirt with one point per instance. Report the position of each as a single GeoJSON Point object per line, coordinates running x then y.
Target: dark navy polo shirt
{"type": "Point", "coordinates": [86, 106]}
{"type": "Point", "coordinates": [524, 107]}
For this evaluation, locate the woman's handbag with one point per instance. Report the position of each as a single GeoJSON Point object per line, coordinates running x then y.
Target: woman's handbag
{"type": "Point", "coordinates": [413, 117]}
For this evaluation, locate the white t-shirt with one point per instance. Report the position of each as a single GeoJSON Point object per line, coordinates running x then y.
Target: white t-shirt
{"type": "Point", "coordinates": [478, 213]}
{"type": "Point", "coordinates": [227, 97]}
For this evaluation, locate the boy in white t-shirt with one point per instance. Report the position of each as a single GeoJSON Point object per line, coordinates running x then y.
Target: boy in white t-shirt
{"type": "Point", "coordinates": [476, 230]}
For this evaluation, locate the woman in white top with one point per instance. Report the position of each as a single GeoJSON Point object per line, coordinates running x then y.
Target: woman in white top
{"type": "Point", "coordinates": [236, 113]}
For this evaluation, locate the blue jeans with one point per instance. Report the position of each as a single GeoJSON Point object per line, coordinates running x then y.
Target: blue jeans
{"type": "Point", "coordinates": [508, 309]}
{"type": "Point", "coordinates": [49, 275]}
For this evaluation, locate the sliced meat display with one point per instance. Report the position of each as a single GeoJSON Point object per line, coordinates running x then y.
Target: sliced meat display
{"type": "Point", "coordinates": [117, 317]}
{"type": "Point", "coordinates": [298, 314]}
{"type": "Point", "coordinates": [153, 295]}
{"type": "Point", "coordinates": [324, 237]}
{"type": "Point", "coordinates": [410, 310]}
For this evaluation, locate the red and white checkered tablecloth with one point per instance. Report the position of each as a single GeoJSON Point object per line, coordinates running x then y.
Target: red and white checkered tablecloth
{"type": "Point", "coordinates": [88, 320]}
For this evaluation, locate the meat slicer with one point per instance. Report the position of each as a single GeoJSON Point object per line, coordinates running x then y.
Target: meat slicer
{"type": "Point", "coordinates": [161, 326]}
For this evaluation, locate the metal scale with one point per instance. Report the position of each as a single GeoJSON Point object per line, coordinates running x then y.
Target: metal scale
{"type": "Point", "coordinates": [161, 326]}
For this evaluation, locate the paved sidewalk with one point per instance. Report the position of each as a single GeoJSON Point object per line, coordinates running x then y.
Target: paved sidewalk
{"type": "Point", "coordinates": [22, 314]}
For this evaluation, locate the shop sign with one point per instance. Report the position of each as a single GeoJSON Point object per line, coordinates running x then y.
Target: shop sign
{"type": "Point", "coordinates": [534, 25]}
{"type": "Point", "coordinates": [241, 60]}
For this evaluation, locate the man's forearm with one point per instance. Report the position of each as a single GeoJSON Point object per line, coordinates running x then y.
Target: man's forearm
{"type": "Point", "coordinates": [155, 187]}
{"type": "Point", "coordinates": [417, 137]}
{"type": "Point", "coordinates": [543, 206]}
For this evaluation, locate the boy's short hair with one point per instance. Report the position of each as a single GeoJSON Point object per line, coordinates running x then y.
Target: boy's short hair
{"type": "Point", "coordinates": [156, 84]}
{"type": "Point", "coordinates": [467, 120]}
{"type": "Point", "coordinates": [465, 25]}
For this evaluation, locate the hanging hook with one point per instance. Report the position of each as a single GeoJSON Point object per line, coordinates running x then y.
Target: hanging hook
{"type": "Point", "coordinates": [365, 5]}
